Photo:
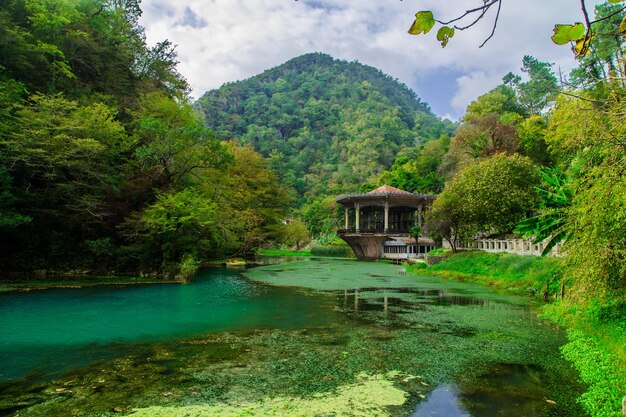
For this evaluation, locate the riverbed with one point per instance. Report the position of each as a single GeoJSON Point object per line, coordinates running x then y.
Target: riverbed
{"type": "Point", "coordinates": [316, 336]}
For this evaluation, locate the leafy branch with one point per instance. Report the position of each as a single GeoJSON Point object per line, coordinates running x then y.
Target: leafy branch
{"type": "Point", "coordinates": [424, 21]}
{"type": "Point", "coordinates": [578, 34]}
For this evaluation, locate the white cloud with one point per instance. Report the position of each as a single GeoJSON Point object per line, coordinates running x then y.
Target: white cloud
{"type": "Point", "coordinates": [228, 40]}
{"type": "Point", "coordinates": [471, 86]}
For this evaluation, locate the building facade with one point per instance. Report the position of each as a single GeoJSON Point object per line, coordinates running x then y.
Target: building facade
{"type": "Point", "coordinates": [378, 224]}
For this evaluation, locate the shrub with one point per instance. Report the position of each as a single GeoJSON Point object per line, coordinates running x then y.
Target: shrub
{"type": "Point", "coordinates": [188, 267]}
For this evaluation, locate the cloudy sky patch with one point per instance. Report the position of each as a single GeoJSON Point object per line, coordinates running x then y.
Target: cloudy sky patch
{"type": "Point", "coordinates": [227, 40]}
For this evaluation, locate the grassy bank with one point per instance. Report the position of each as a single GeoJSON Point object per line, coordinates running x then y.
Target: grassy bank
{"type": "Point", "coordinates": [330, 247]}
{"type": "Point", "coordinates": [283, 252]}
{"type": "Point", "coordinates": [597, 348]}
{"type": "Point", "coordinates": [596, 329]}
{"type": "Point", "coordinates": [503, 270]}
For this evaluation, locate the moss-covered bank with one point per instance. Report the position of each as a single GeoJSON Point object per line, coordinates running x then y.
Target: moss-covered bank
{"type": "Point", "coordinates": [77, 281]}
{"type": "Point", "coordinates": [596, 330]}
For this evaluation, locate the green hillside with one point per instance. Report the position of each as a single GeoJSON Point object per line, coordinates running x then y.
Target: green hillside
{"type": "Point", "coordinates": [327, 126]}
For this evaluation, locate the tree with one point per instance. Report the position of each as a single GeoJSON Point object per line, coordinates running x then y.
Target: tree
{"type": "Point", "coordinates": [486, 136]}
{"type": "Point", "coordinates": [596, 249]}
{"type": "Point", "coordinates": [172, 144]}
{"type": "Point", "coordinates": [551, 221]}
{"type": "Point", "coordinates": [293, 233]}
{"type": "Point", "coordinates": [487, 197]}
{"type": "Point", "coordinates": [536, 94]}
{"type": "Point", "coordinates": [321, 216]}
{"type": "Point", "coordinates": [445, 220]}
{"type": "Point", "coordinates": [178, 225]}
{"type": "Point", "coordinates": [501, 101]}
{"type": "Point", "coordinates": [416, 168]}
{"type": "Point", "coordinates": [104, 164]}
{"type": "Point", "coordinates": [587, 134]}
{"type": "Point", "coordinates": [66, 167]}
{"type": "Point", "coordinates": [605, 60]}
{"type": "Point", "coordinates": [532, 143]}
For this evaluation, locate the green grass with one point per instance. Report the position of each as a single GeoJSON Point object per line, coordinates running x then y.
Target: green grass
{"type": "Point", "coordinates": [332, 251]}
{"type": "Point", "coordinates": [283, 252]}
{"type": "Point", "coordinates": [503, 270]}
{"type": "Point", "coordinates": [597, 348]}
{"type": "Point", "coordinates": [440, 252]}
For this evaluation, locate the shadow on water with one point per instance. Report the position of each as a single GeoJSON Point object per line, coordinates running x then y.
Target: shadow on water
{"type": "Point", "coordinates": [511, 390]}
{"type": "Point", "coordinates": [391, 305]}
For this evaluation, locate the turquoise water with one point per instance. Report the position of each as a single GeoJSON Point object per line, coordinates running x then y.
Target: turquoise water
{"type": "Point", "coordinates": [46, 332]}
{"type": "Point", "coordinates": [294, 330]}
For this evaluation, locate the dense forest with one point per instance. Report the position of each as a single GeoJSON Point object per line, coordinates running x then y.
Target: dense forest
{"type": "Point", "coordinates": [104, 165]}
{"type": "Point", "coordinates": [326, 127]}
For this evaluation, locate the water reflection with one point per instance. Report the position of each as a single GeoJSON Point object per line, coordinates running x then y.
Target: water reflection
{"type": "Point", "coordinates": [442, 402]}
{"type": "Point", "coordinates": [367, 299]}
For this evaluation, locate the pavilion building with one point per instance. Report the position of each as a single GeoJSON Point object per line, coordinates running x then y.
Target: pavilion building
{"type": "Point", "coordinates": [378, 224]}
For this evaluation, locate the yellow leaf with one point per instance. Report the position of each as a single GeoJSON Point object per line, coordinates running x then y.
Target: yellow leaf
{"type": "Point", "coordinates": [424, 22]}
{"type": "Point", "coordinates": [568, 33]}
{"type": "Point", "coordinates": [582, 46]}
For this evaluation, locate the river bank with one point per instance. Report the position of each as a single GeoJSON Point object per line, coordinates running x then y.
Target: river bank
{"type": "Point", "coordinates": [596, 331]}
{"type": "Point", "coordinates": [42, 280]}
{"type": "Point", "coordinates": [76, 281]}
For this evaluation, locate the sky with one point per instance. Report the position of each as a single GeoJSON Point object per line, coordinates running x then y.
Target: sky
{"type": "Point", "coordinates": [221, 41]}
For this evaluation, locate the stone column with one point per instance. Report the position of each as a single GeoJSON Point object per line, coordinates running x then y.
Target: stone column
{"type": "Point", "coordinates": [419, 216]}
{"type": "Point", "coordinates": [358, 217]}
{"type": "Point", "coordinates": [386, 216]}
{"type": "Point", "coordinates": [347, 223]}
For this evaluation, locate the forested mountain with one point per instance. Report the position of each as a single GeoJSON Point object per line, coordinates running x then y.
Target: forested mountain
{"type": "Point", "coordinates": [327, 126]}
{"type": "Point", "coordinates": [104, 165]}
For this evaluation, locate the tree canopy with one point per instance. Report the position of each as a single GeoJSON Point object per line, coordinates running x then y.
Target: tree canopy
{"type": "Point", "coordinates": [488, 197]}
{"type": "Point", "coordinates": [105, 166]}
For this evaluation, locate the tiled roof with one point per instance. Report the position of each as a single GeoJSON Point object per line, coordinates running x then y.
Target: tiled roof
{"type": "Point", "coordinates": [386, 192]}
{"type": "Point", "coordinates": [387, 189]}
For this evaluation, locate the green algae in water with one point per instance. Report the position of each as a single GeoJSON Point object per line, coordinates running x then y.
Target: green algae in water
{"type": "Point", "coordinates": [327, 275]}
{"type": "Point", "coordinates": [335, 275]}
{"type": "Point", "coordinates": [491, 348]}
{"type": "Point", "coordinates": [369, 396]}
